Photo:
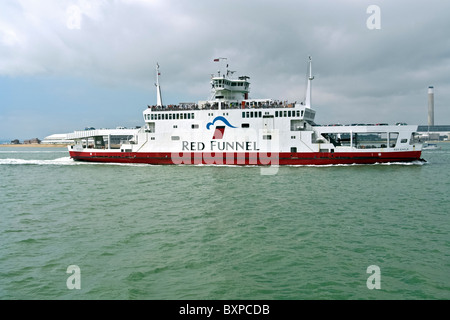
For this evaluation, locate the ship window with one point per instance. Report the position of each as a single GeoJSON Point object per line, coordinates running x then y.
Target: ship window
{"type": "Point", "coordinates": [152, 138]}
{"type": "Point", "coordinates": [178, 116]}
{"type": "Point", "coordinates": [267, 137]}
{"type": "Point", "coordinates": [260, 114]}
{"type": "Point", "coordinates": [247, 114]}
{"type": "Point", "coordinates": [293, 149]}
{"type": "Point", "coordinates": [243, 114]}
{"type": "Point", "coordinates": [370, 140]}
{"type": "Point", "coordinates": [159, 116]}
{"type": "Point", "coordinates": [393, 136]}
{"type": "Point", "coordinates": [175, 138]}
{"type": "Point", "coordinates": [404, 141]}
{"type": "Point", "coordinates": [245, 125]}
{"type": "Point", "coordinates": [289, 113]}
{"type": "Point", "coordinates": [298, 113]}
{"type": "Point", "coordinates": [276, 114]}
{"type": "Point", "coordinates": [192, 116]}
{"type": "Point", "coordinates": [167, 116]}
{"type": "Point", "coordinates": [251, 114]}
{"type": "Point", "coordinates": [285, 113]}
{"type": "Point", "coordinates": [175, 126]}
{"type": "Point", "coordinates": [194, 126]}
{"type": "Point", "coordinates": [170, 116]}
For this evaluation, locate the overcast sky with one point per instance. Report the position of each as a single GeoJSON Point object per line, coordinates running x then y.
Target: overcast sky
{"type": "Point", "coordinates": [69, 64]}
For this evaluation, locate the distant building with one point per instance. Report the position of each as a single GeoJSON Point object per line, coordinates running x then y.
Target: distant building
{"type": "Point", "coordinates": [15, 141]}
{"type": "Point", "coordinates": [32, 141]}
{"type": "Point", "coordinates": [436, 132]}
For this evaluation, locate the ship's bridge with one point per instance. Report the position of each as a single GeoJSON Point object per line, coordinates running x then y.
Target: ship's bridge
{"type": "Point", "coordinates": [225, 89]}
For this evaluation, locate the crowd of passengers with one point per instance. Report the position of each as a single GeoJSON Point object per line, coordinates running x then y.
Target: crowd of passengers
{"type": "Point", "coordinates": [229, 105]}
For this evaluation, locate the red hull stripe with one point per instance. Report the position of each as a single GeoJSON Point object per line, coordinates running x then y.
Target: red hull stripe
{"type": "Point", "coordinates": [287, 158]}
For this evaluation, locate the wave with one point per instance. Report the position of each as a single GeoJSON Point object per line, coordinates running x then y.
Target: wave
{"type": "Point", "coordinates": [32, 151]}
{"type": "Point", "coordinates": [68, 161]}
{"type": "Point", "coordinates": [59, 161]}
{"type": "Point", "coordinates": [412, 163]}
{"type": "Point", "coordinates": [65, 161]}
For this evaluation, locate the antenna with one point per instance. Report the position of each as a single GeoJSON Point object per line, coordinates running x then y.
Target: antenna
{"type": "Point", "coordinates": [308, 87]}
{"type": "Point", "coordinates": [217, 60]}
{"type": "Point", "coordinates": [158, 87]}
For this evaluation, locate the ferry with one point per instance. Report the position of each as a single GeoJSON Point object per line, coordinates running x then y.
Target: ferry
{"type": "Point", "coordinates": [230, 128]}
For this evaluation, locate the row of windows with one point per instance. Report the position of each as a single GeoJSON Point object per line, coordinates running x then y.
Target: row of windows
{"type": "Point", "coordinates": [221, 82]}
{"type": "Point", "coordinates": [245, 114]}
{"type": "Point", "coordinates": [252, 114]}
{"type": "Point", "coordinates": [168, 116]}
{"type": "Point", "coordinates": [289, 113]}
{"type": "Point", "coordinates": [193, 126]}
{"type": "Point", "coordinates": [281, 113]}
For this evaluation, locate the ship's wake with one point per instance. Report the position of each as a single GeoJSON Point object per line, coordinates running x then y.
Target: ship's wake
{"type": "Point", "coordinates": [58, 161]}
{"type": "Point", "coordinates": [64, 161]}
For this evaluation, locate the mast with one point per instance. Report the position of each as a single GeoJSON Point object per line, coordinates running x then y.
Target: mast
{"type": "Point", "coordinates": [308, 87]}
{"type": "Point", "coordinates": [158, 88]}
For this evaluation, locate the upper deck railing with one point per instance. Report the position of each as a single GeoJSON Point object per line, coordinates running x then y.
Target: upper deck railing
{"type": "Point", "coordinates": [226, 106]}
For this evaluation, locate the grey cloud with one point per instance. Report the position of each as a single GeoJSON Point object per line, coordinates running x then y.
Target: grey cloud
{"type": "Point", "coordinates": [378, 73]}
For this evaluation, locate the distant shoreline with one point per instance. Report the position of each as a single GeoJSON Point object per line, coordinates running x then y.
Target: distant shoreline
{"type": "Point", "coordinates": [35, 145]}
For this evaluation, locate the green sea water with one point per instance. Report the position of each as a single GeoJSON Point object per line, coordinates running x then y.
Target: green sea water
{"type": "Point", "coordinates": [222, 232]}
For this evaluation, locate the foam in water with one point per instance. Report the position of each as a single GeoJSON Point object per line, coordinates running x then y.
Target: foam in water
{"type": "Point", "coordinates": [59, 161]}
